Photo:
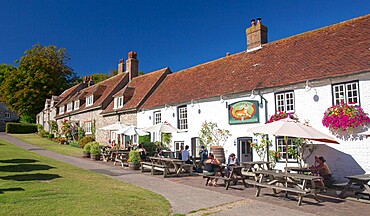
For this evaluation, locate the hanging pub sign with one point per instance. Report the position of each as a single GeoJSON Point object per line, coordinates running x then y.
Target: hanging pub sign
{"type": "Point", "coordinates": [244, 112]}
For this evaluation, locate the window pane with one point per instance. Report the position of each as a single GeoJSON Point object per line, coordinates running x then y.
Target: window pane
{"type": "Point", "coordinates": [183, 121]}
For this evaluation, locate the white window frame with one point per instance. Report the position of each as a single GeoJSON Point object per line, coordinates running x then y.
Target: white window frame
{"type": "Point", "coordinates": [88, 127]}
{"type": "Point", "coordinates": [76, 104]}
{"type": "Point", "coordinates": [118, 102]}
{"type": "Point", "coordinates": [280, 145]}
{"type": "Point", "coordinates": [69, 107]}
{"type": "Point", "coordinates": [284, 102]}
{"type": "Point", "coordinates": [89, 100]}
{"type": "Point", "coordinates": [182, 118]}
{"type": "Point", "coordinates": [157, 117]}
{"type": "Point", "coordinates": [7, 115]}
{"type": "Point", "coordinates": [61, 110]}
{"type": "Point", "coordinates": [349, 92]}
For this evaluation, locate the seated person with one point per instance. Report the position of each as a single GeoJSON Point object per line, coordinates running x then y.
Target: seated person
{"type": "Point", "coordinates": [211, 165]}
{"type": "Point", "coordinates": [203, 153]}
{"type": "Point", "coordinates": [323, 170]}
{"type": "Point", "coordinates": [185, 155]}
{"type": "Point", "coordinates": [231, 161]}
{"type": "Point", "coordinates": [113, 145]}
{"type": "Point", "coordinates": [142, 152]}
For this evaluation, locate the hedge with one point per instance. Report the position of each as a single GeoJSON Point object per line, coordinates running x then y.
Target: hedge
{"type": "Point", "coordinates": [20, 128]}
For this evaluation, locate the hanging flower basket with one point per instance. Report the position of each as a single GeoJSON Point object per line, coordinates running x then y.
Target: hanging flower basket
{"type": "Point", "coordinates": [282, 115]}
{"type": "Point", "coordinates": [345, 117]}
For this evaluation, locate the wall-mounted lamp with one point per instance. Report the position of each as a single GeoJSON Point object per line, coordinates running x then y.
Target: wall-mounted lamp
{"type": "Point", "coordinates": [221, 99]}
{"type": "Point", "coordinates": [307, 87]}
{"type": "Point", "coordinates": [192, 103]}
{"type": "Point", "coordinates": [166, 106]}
{"type": "Point", "coordinates": [252, 94]}
{"type": "Point", "coordinates": [143, 111]}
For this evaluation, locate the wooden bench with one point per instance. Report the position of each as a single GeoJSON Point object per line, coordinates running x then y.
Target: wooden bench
{"type": "Point", "coordinates": [146, 165]}
{"type": "Point", "coordinates": [153, 167]}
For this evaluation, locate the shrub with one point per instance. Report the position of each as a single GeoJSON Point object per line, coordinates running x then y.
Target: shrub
{"type": "Point", "coordinates": [87, 148]}
{"type": "Point", "coordinates": [19, 128]}
{"type": "Point", "coordinates": [94, 149]}
{"type": "Point", "coordinates": [74, 143]}
{"type": "Point", "coordinates": [150, 148]}
{"type": "Point", "coordinates": [145, 138]}
{"type": "Point", "coordinates": [85, 140]}
{"type": "Point", "coordinates": [50, 136]}
{"type": "Point", "coordinates": [134, 157]}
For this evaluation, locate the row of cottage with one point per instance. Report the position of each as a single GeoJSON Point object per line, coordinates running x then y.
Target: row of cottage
{"type": "Point", "coordinates": [304, 74]}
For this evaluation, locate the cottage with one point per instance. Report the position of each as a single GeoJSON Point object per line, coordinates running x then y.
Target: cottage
{"type": "Point", "coordinates": [6, 115]}
{"type": "Point", "coordinates": [303, 74]}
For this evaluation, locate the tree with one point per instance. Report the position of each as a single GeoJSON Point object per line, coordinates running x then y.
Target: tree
{"type": "Point", "coordinates": [41, 73]}
{"type": "Point", "coordinates": [5, 70]}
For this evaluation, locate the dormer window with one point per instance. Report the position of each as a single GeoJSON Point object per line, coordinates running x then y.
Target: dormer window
{"type": "Point", "coordinates": [118, 102]}
{"type": "Point", "coordinates": [90, 100]}
{"type": "Point", "coordinates": [69, 107]}
{"type": "Point", "coordinates": [77, 104]}
{"type": "Point", "coordinates": [61, 110]}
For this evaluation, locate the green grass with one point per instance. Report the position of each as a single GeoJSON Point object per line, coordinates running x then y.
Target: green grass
{"type": "Point", "coordinates": [44, 143]}
{"type": "Point", "coordinates": [31, 184]}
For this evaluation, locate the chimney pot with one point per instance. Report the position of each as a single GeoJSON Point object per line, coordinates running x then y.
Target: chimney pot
{"type": "Point", "coordinates": [253, 22]}
{"type": "Point", "coordinates": [258, 20]}
{"type": "Point", "coordinates": [227, 54]}
{"type": "Point", "coordinates": [132, 55]}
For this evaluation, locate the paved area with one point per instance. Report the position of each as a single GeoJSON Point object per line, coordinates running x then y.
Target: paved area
{"type": "Point", "coordinates": [188, 194]}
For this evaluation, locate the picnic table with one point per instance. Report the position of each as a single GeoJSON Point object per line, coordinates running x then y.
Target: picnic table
{"type": "Point", "coordinates": [120, 156]}
{"type": "Point", "coordinates": [167, 166]}
{"type": "Point", "coordinates": [251, 167]}
{"type": "Point", "coordinates": [300, 170]}
{"type": "Point", "coordinates": [288, 182]}
{"type": "Point", "coordinates": [235, 175]}
{"type": "Point", "coordinates": [361, 180]}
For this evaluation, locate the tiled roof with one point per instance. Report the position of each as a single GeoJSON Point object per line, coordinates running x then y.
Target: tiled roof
{"type": "Point", "coordinates": [103, 89]}
{"type": "Point", "coordinates": [68, 93]}
{"type": "Point", "coordinates": [142, 86]}
{"type": "Point", "coordinates": [337, 50]}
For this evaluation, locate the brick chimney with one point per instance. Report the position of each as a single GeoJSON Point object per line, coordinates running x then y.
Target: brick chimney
{"type": "Point", "coordinates": [120, 66]}
{"type": "Point", "coordinates": [256, 35]}
{"type": "Point", "coordinates": [91, 81]}
{"type": "Point", "coordinates": [132, 66]}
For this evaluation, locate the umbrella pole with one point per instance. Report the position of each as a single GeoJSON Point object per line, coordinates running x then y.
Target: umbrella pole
{"type": "Point", "coordinates": [286, 164]}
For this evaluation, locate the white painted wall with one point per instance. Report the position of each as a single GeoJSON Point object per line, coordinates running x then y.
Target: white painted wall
{"type": "Point", "coordinates": [348, 158]}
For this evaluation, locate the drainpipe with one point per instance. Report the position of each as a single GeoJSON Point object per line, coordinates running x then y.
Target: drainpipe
{"type": "Point", "coordinates": [266, 119]}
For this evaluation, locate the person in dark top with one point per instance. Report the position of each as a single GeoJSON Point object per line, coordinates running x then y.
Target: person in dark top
{"type": "Point", "coordinates": [203, 153]}
{"type": "Point", "coordinates": [231, 161]}
{"type": "Point", "coordinates": [211, 167]}
{"type": "Point", "coordinates": [142, 152]}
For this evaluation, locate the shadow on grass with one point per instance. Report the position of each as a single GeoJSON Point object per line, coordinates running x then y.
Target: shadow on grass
{"type": "Point", "coordinates": [2, 190]}
{"type": "Point", "coordinates": [19, 161]}
{"type": "Point", "coordinates": [31, 177]}
{"type": "Point", "coordinates": [25, 167]}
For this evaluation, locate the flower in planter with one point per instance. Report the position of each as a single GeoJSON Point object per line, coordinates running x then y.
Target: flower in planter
{"type": "Point", "coordinates": [345, 117]}
{"type": "Point", "coordinates": [282, 115]}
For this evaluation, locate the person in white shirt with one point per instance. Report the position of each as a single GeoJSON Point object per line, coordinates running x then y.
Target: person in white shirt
{"type": "Point", "coordinates": [185, 156]}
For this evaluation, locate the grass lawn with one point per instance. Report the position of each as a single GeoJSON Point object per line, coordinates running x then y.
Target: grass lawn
{"type": "Point", "coordinates": [31, 184]}
{"type": "Point", "coordinates": [44, 143]}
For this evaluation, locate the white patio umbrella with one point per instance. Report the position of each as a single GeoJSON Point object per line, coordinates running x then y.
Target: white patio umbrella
{"type": "Point", "coordinates": [163, 127]}
{"type": "Point", "coordinates": [291, 128]}
{"type": "Point", "coordinates": [132, 130]}
{"type": "Point", "coordinates": [115, 126]}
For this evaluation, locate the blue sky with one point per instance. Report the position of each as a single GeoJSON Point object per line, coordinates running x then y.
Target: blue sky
{"type": "Point", "coordinates": [174, 33]}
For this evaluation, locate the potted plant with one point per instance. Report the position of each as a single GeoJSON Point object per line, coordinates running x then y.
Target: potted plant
{"type": "Point", "coordinates": [86, 150]}
{"type": "Point", "coordinates": [134, 159]}
{"type": "Point", "coordinates": [95, 151]}
{"type": "Point", "coordinates": [282, 115]}
{"type": "Point", "coordinates": [212, 136]}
